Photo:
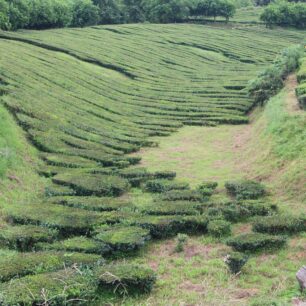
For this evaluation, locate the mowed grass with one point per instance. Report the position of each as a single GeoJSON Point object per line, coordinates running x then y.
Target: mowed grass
{"type": "Point", "coordinates": [197, 154]}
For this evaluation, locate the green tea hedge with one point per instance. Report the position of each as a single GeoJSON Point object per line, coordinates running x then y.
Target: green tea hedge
{"type": "Point", "coordinates": [253, 242]}
{"type": "Point", "coordinates": [65, 287]}
{"type": "Point", "coordinates": [280, 224]}
{"type": "Point", "coordinates": [21, 264]}
{"type": "Point", "coordinates": [163, 185]}
{"type": "Point", "coordinates": [126, 278]}
{"type": "Point", "coordinates": [235, 261]}
{"type": "Point", "coordinates": [219, 228]}
{"type": "Point", "coordinates": [245, 189]}
{"type": "Point", "coordinates": [24, 237]}
{"type": "Point", "coordinates": [182, 195]}
{"type": "Point", "coordinates": [123, 238]}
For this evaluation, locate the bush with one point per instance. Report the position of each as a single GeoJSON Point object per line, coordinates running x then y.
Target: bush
{"type": "Point", "coordinates": [245, 189]}
{"type": "Point", "coordinates": [93, 203]}
{"type": "Point", "coordinates": [86, 184]}
{"type": "Point", "coordinates": [172, 208]}
{"type": "Point", "coordinates": [163, 185]}
{"type": "Point", "coordinates": [24, 237]}
{"type": "Point", "coordinates": [69, 221]}
{"type": "Point", "coordinates": [280, 224]}
{"type": "Point", "coordinates": [253, 242]}
{"type": "Point", "coordinates": [170, 175]}
{"type": "Point", "coordinates": [126, 278]}
{"type": "Point", "coordinates": [235, 261]}
{"type": "Point", "coordinates": [219, 228]}
{"type": "Point", "coordinates": [76, 244]}
{"type": "Point", "coordinates": [270, 81]}
{"type": "Point", "coordinates": [182, 195]}
{"type": "Point", "coordinates": [207, 188]}
{"type": "Point", "coordinates": [65, 287]}
{"type": "Point", "coordinates": [168, 226]}
{"type": "Point", "coordinates": [21, 264]}
{"type": "Point", "coordinates": [123, 238]}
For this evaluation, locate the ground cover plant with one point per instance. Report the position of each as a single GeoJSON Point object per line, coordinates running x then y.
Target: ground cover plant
{"type": "Point", "coordinates": [87, 101]}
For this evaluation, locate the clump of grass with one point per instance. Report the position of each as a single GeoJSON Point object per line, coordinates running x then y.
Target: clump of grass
{"type": "Point", "coordinates": [181, 240]}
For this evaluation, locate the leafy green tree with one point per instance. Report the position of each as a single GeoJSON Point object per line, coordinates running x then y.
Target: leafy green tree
{"type": "Point", "coordinates": [110, 11]}
{"type": "Point", "coordinates": [85, 13]}
{"type": "Point", "coordinates": [134, 11]}
{"type": "Point", "coordinates": [166, 11]}
{"type": "Point", "coordinates": [19, 13]}
{"type": "Point", "coordinates": [4, 19]}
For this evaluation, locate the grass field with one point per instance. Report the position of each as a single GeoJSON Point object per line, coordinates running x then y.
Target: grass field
{"type": "Point", "coordinates": [86, 101]}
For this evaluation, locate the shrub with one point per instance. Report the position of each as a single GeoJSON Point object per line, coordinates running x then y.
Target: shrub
{"type": "Point", "coordinates": [126, 278]}
{"type": "Point", "coordinates": [163, 185]}
{"type": "Point", "coordinates": [65, 287]}
{"type": "Point", "coordinates": [181, 240]}
{"type": "Point", "coordinates": [164, 175]}
{"type": "Point", "coordinates": [86, 184]}
{"type": "Point", "coordinates": [65, 219]}
{"type": "Point", "coordinates": [235, 261]}
{"type": "Point", "coordinates": [168, 226]}
{"type": "Point", "coordinates": [172, 208]}
{"type": "Point", "coordinates": [84, 13]}
{"type": "Point", "coordinates": [219, 228]}
{"type": "Point", "coordinates": [280, 224]}
{"type": "Point", "coordinates": [21, 264]}
{"type": "Point", "coordinates": [245, 189]}
{"type": "Point", "coordinates": [123, 238]}
{"type": "Point", "coordinates": [76, 244]}
{"type": "Point", "coordinates": [253, 242]}
{"type": "Point", "coordinates": [93, 203]}
{"type": "Point", "coordinates": [24, 237]}
{"type": "Point", "coordinates": [207, 188]}
{"type": "Point", "coordinates": [181, 195]}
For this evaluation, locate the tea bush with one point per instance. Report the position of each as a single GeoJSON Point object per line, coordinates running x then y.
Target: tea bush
{"type": "Point", "coordinates": [253, 242]}
{"type": "Point", "coordinates": [219, 228]}
{"type": "Point", "coordinates": [126, 278]}
{"type": "Point", "coordinates": [245, 189]}
{"type": "Point", "coordinates": [280, 224]}
{"type": "Point", "coordinates": [235, 261]}
{"type": "Point", "coordinates": [163, 185]}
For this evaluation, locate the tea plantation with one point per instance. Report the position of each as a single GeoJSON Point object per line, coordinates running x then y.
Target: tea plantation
{"type": "Point", "coordinates": [86, 99]}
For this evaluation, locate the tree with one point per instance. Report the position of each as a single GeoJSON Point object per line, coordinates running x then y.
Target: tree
{"type": "Point", "coordinates": [110, 11]}
{"type": "Point", "coordinates": [166, 11]}
{"type": "Point", "coordinates": [84, 13]}
{"type": "Point", "coordinates": [134, 11]}
{"type": "Point", "coordinates": [4, 19]}
{"type": "Point", "coordinates": [19, 13]}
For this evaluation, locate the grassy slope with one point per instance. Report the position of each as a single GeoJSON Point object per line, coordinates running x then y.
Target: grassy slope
{"type": "Point", "coordinates": [198, 276]}
{"type": "Point", "coordinates": [18, 160]}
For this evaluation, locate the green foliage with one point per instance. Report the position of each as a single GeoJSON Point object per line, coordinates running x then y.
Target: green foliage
{"type": "Point", "coordinates": [65, 287]}
{"type": "Point", "coordinates": [285, 13]}
{"type": "Point", "coordinates": [168, 226]}
{"type": "Point", "coordinates": [24, 237]}
{"type": "Point", "coordinates": [270, 81]}
{"type": "Point", "coordinates": [126, 278]}
{"type": "Point", "coordinates": [254, 242]}
{"type": "Point", "coordinates": [280, 224]}
{"type": "Point", "coordinates": [207, 188]}
{"type": "Point", "coordinates": [214, 8]}
{"type": "Point", "coordinates": [235, 261]}
{"type": "Point", "coordinates": [84, 13]}
{"type": "Point", "coordinates": [182, 195]}
{"type": "Point", "coordinates": [76, 244]}
{"type": "Point", "coordinates": [181, 240]}
{"type": "Point", "coordinates": [162, 185]}
{"type": "Point", "coordinates": [123, 238]}
{"type": "Point", "coordinates": [219, 228]}
{"type": "Point", "coordinates": [301, 88]}
{"type": "Point", "coordinates": [86, 184]}
{"type": "Point", "coordinates": [242, 190]}
{"type": "Point", "coordinates": [4, 19]}
{"type": "Point", "coordinates": [172, 208]}
{"type": "Point", "coordinates": [21, 264]}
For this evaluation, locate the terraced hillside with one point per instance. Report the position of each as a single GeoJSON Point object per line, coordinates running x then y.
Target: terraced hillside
{"type": "Point", "coordinates": [86, 98]}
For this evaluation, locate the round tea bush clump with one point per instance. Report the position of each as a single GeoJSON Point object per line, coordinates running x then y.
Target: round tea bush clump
{"type": "Point", "coordinates": [219, 228]}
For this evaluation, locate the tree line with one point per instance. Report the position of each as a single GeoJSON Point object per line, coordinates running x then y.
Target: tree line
{"type": "Point", "coordinates": [285, 13]}
{"type": "Point", "coordinates": [44, 14]}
